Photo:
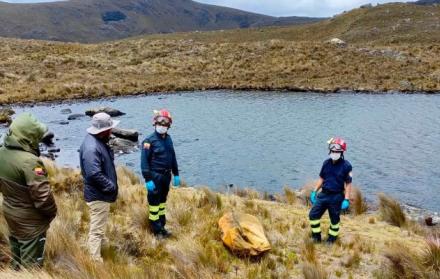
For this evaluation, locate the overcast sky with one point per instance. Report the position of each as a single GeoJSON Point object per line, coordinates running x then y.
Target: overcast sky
{"type": "Point", "coordinates": [313, 8]}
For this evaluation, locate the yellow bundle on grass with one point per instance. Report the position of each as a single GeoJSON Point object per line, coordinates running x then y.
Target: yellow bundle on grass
{"type": "Point", "coordinates": [243, 234]}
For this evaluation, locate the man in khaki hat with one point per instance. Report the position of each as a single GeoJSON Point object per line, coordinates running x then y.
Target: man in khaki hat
{"type": "Point", "coordinates": [100, 180]}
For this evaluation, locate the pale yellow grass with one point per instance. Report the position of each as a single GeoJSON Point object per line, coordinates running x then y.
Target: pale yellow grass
{"type": "Point", "coordinates": [196, 251]}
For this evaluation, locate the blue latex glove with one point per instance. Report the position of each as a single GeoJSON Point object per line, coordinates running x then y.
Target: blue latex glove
{"type": "Point", "coordinates": [177, 181]}
{"type": "Point", "coordinates": [345, 204]}
{"type": "Point", "coordinates": [150, 186]}
{"type": "Point", "coordinates": [313, 197]}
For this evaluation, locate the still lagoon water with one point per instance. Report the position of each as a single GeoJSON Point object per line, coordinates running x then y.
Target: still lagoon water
{"type": "Point", "coordinates": [267, 140]}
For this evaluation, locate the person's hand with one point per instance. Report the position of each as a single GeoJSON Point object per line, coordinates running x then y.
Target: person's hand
{"type": "Point", "coordinates": [313, 197]}
{"type": "Point", "coordinates": [177, 181]}
{"type": "Point", "coordinates": [150, 186]}
{"type": "Point", "coordinates": [345, 204]}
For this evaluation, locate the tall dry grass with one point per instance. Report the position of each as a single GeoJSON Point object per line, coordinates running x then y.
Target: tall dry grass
{"type": "Point", "coordinates": [33, 71]}
{"type": "Point", "coordinates": [196, 250]}
{"type": "Point", "coordinates": [408, 263]}
{"type": "Point", "coordinates": [391, 211]}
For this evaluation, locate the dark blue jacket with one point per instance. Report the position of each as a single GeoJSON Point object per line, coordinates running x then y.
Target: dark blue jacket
{"type": "Point", "coordinates": [158, 157]}
{"type": "Point", "coordinates": [98, 170]}
{"type": "Point", "coordinates": [335, 175]}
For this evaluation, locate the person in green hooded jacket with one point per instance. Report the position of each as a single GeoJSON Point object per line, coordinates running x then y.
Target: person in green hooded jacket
{"type": "Point", "coordinates": [28, 203]}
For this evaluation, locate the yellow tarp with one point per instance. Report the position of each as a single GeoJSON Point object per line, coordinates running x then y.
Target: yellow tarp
{"type": "Point", "coordinates": [243, 234]}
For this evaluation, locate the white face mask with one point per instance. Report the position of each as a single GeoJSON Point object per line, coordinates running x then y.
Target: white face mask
{"type": "Point", "coordinates": [335, 156]}
{"type": "Point", "coordinates": [161, 129]}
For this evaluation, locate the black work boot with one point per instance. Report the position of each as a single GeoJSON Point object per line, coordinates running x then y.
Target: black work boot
{"type": "Point", "coordinates": [156, 228]}
{"type": "Point", "coordinates": [331, 239]}
{"type": "Point", "coordinates": [316, 237]}
{"type": "Point", "coordinates": [165, 233]}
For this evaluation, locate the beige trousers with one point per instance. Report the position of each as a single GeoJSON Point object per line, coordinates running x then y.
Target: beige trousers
{"type": "Point", "coordinates": [99, 212]}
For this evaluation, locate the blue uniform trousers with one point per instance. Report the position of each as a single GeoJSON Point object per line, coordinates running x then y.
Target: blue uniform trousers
{"type": "Point", "coordinates": [157, 201]}
{"type": "Point", "coordinates": [331, 202]}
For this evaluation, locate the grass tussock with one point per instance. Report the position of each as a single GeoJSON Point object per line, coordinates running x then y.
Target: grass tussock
{"type": "Point", "coordinates": [358, 203]}
{"type": "Point", "coordinates": [405, 262]}
{"type": "Point", "coordinates": [196, 250]}
{"type": "Point", "coordinates": [314, 271]}
{"type": "Point", "coordinates": [290, 195]}
{"type": "Point", "coordinates": [391, 211]}
{"type": "Point", "coordinates": [431, 254]}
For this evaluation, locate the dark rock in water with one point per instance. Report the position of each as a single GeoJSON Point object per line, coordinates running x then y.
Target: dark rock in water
{"type": "Point", "coordinates": [53, 150]}
{"type": "Point", "coordinates": [7, 111]}
{"type": "Point", "coordinates": [123, 146]}
{"type": "Point", "coordinates": [127, 134]}
{"type": "Point", "coordinates": [110, 111]}
{"type": "Point", "coordinates": [47, 146]}
{"type": "Point", "coordinates": [66, 111]}
{"type": "Point", "coordinates": [48, 138]}
{"type": "Point", "coordinates": [60, 122]}
{"type": "Point", "coordinates": [429, 222]}
{"type": "Point", "coordinates": [75, 116]}
{"type": "Point", "coordinates": [5, 116]}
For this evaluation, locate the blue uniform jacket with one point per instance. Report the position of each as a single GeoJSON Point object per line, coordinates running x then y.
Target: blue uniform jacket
{"type": "Point", "coordinates": [335, 175]}
{"type": "Point", "coordinates": [158, 157]}
{"type": "Point", "coordinates": [98, 170]}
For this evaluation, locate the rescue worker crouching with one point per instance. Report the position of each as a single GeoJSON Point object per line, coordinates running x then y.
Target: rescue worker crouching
{"type": "Point", "coordinates": [158, 162]}
{"type": "Point", "coordinates": [335, 179]}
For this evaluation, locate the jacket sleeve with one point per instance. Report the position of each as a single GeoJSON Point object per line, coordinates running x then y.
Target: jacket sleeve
{"type": "Point", "coordinates": [145, 160]}
{"type": "Point", "coordinates": [39, 188]}
{"type": "Point", "coordinates": [93, 171]}
{"type": "Point", "coordinates": [349, 177]}
{"type": "Point", "coordinates": [321, 173]}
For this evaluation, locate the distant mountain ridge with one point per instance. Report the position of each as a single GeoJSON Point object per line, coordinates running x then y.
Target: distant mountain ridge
{"type": "Point", "coordinates": [427, 2]}
{"type": "Point", "coordinates": [103, 20]}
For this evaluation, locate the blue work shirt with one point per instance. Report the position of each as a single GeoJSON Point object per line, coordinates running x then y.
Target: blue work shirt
{"type": "Point", "coordinates": [335, 175]}
{"type": "Point", "coordinates": [158, 156]}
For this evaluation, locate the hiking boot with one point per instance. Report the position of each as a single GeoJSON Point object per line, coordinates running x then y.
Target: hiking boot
{"type": "Point", "coordinates": [165, 233]}
{"type": "Point", "coordinates": [331, 239]}
{"type": "Point", "coordinates": [316, 237]}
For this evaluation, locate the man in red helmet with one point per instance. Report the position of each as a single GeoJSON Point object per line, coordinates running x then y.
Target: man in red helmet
{"type": "Point", "coordinates": [334, 181]}
{"type": "Point", "coordinates": [158, 162]}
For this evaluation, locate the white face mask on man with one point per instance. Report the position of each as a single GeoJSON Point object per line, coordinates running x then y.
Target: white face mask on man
{"type": "Point", "coordinates": [335, 156]}
{"type": "Point", "coordinates": [161, 129]}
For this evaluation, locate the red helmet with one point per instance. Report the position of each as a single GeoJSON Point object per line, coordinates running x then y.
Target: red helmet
{"type": "Point", "coordinates": [162, 117]}
{"type": "Point", "coordinates": [337, 145]}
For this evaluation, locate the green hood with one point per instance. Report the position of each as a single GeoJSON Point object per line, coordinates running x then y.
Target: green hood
{"type": "Point", "coordinates": [25, 133]}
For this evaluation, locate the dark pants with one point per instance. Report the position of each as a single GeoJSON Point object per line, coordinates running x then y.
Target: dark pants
{"type": "Point", "coordinates": [27, 253]}
{"type": "Point", "coordinates": [331, 202]}
{"type": "Point", "coordinates": [157, 202]}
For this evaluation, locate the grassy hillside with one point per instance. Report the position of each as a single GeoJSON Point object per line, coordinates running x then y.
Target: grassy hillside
{"type": "Point", "coordinates": [368, 246]}
{"type": "Point", "coordinates": [103, 20]}
{"type": "Point", "coordinates": [294, 58]}
{"type": "Point", "coordinates": [386, 24]}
